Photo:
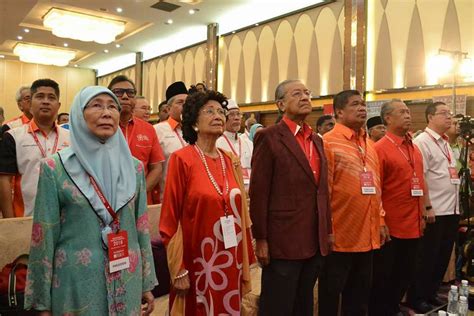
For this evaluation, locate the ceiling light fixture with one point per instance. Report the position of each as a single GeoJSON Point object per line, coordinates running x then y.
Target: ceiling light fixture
{"type": "Point", "coordinates": [26, 30]}
{"type": "Point", "coordinates": [192, 11]}
{"type": "Point", "coordinates": [45, 55]}
{"type": "Point", "coordinates": [119, 10]}
{"type": "Point", "coordinates": [169, 21]}
{"type": "Point", "coordinates": [65, 44]}
{"type": "Point", "coordinates": [19, 37]}
{"type": "Point", "coordinates": [106, 51]}
{"type": "Point", "coordinates": [118, 45]}
{"type": "Point", "coordinates": [83, 27]}
{"type": "Point", "coordinates": [76, 65]}
{"type": "Point", "coordinates": [2, 56]}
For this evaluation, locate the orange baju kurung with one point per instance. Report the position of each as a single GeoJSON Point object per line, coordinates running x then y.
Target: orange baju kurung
{"type": "Point", "coordinates": [191, 228]}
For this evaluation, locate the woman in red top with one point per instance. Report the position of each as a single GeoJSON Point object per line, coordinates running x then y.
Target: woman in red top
{"type": "Point", "coordinates": [204, 221]}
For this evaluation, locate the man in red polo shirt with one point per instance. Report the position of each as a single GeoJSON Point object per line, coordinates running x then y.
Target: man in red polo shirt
{"type": "Point", "coordinates": [140, 135]}
{"type": "Point", "coordinates": [402, 182]}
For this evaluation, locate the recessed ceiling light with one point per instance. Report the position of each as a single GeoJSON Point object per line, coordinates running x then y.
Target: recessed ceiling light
{"type": "Point", "coordinates": [119, 10]}
{"type": "Point", "coordinates": [26, 30]}
{"type": "Point", "coordinates": [76, 66]}
{"type": "Point", "coordinates": [169, 21]}
{"type": "Point", "coordinates": [256, 24]}
{"type": "Point", "coordinates": [192, 11]}
{"type": "Point", "coordinates": [19, 37]}
{"type": "Point", "coordinates": [118, 45]}
{"type": "Point", "coordinates": [65, 44]}
{"type": "Point", "coordinates": [233, 32]}
{"type": "Point", "coordinates": [2, 56]}
{"type": "Point", "coordinates": [106, 51]}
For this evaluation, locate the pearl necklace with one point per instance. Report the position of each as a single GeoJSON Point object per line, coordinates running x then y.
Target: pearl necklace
{"type": "Point", "coordinates": [209, 174]}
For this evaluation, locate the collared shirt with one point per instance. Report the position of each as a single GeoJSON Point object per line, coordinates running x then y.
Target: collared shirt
{"type": "Point", "coordinates": [171, 139]}
{"type": "Point", "coordinates": [356, 217]}
{"type": "Point", "coordinates": [436, 151]}
{"type": "Point", "coordinates": [18, 121]}
{"type": "Point", "coordinates": [142, 141]}
{"type": "Point", "coordinates": [240, 147]}
{"type": "Point", "coordinates": [21, 155]}
{"type": "Point", "coordinates": [400, 162]}
{"type": "Point", "coordinates": [303, 135]}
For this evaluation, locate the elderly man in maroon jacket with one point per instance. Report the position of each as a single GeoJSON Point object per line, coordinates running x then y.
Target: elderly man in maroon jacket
{"type": "Point", "coordinates": [289, 205]}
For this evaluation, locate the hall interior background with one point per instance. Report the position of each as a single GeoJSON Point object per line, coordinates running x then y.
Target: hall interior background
{"type": "Point", "coordinates": [401, 38]}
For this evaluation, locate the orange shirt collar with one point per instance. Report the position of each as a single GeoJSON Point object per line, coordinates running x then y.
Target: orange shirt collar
{"type": "Point", "coordinates": [399, 140]}
{"type": "Point", "coordinates": [35, 128]}
{"type": "Point", "coordinates": [24, 119]}
{"type": "Point", "coordinates": [348, 132]}
{"type": "Point", "coordinates": [173, 123]}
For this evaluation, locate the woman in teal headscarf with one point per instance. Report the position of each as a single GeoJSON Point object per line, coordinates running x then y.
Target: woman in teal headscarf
{"type": "Point", "coordinates": [253, 130]}
{"type": "Point", "coordinates": [90, 211]}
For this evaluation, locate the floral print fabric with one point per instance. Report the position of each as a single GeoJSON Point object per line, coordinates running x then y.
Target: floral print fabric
{"type": "Point", "coordinates": [68, 268]}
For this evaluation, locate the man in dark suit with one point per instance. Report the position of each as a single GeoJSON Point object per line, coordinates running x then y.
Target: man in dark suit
{"type": "Point", "coordinates": [289, 205]}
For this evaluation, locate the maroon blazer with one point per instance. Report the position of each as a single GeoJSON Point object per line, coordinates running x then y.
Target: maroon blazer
{"type": "Point", "coordinates": [288, 208]}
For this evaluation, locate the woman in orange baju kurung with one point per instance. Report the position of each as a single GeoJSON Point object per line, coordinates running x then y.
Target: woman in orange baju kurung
{"type": "Point", "coordinates": [204, 187]}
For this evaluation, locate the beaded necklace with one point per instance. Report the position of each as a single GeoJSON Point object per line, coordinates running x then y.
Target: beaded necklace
{"type": "Point", "coordinates": [211, 177]}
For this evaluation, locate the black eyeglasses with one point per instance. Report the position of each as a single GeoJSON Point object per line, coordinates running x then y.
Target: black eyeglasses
{"type": "Point", "coordinates": [119, 92]}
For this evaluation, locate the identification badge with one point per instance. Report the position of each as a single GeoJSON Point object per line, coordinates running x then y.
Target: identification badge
{"type": "Point", "coordinates": [228, 231]}
{"type": "Point", "coordinates": [453, 175]}
{"type": "Point", "coordinates": [118, 251]}
{"type": "Point", "coordinates": [367, 182]}
{"type": "Point", "coordinates": [416, 189]}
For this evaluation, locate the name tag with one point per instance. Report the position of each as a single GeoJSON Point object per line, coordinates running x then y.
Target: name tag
{"type": "Point", "coordinates": [453, 175]}
{"type": "Point", "coordinates": [118, 251]}
{"type": "Point", "coordinates": [416, 189]}
{"type": "Point", "coordinates": [367, 182]}
{"type": "Point", "coordinates": [228, 231]}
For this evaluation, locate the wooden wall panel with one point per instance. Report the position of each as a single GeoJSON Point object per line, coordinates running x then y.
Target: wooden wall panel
{"type": "Point", "coordinates": [14, 74]}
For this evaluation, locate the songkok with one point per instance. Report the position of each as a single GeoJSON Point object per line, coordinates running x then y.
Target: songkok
{"type": "Point", "coordinates": [373, 121]}
{"type": "Point", "coordinates": [232, 105]}
{"type": "Point", "coordinates": [176, 88]}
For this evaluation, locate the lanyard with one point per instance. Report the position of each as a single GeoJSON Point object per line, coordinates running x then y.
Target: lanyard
{"type": "Point", "coordinates": [232, 147]}
{"type": "Point", "coordinates": [42, 150]}
{"type": "Point", "coordinates": [445, 151]}
{"type": "Point", "coordinates": [362, 152]}
{"type": "Point", "coordinates": [409, 160]}
{"type": "Point", "coordinates": [310, 155]}
{"type": "Point", "coordinates": [126, 132]}
{"type": "Point", "coordinates": [104, 200]}
{"type": "Point", "coordinates": [181, 140]}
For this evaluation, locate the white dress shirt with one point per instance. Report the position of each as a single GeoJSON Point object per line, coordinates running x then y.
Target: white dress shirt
{"type": "Point", "coordinates": [443, 194]}
{"type": "Point", "coordinates": [240, 147]}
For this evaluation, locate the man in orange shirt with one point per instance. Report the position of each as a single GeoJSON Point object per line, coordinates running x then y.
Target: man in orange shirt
{"type": "Point", "coordinates": [402, 180]}
{"type": "Point", "coordinates": [355, 195]}
{"type": "Point", "coordinates": [23, 100]}
{"type": "Point", "coordinates": [140, 135]}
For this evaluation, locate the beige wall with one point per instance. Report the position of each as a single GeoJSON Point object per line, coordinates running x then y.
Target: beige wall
{"type": "Point", "coordinates": [307, 45]}
{"type": "Point", "coordinates": [129, 72]}
{"type": "Point", "coordinates": [184, 65]}
{"type": "Point", "coordinates": [14, 74]}
{"type": "Point", "coordinates": [404, 35]}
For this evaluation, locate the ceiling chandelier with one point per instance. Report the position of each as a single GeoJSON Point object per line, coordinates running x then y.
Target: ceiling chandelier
{"type": "Point", "coordinates": [37, 54]}
{"type": "Point", "coordinates": [83, 27]}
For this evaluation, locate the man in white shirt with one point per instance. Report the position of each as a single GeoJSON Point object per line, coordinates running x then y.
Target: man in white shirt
{"type": "Point", "coordinates": [231, 141]}
{"type": "Point", "coordinates": [23, 147]}
{"type": "Point", "coordinates": [442, 210]}
{"type": "Point", "coordinates": [169, 132]}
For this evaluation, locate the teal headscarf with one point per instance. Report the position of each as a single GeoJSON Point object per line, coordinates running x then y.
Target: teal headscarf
{"type": "Point", "coordinates": [110, 163]}
{"type": "Point", "coordinates": [253, 130]}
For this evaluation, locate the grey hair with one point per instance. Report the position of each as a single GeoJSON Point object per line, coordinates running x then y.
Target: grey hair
{"type": "Point", "coordinates": [171, 100]}
{"type": "Point", "coordinates": [19, 92]}
{"type": "Point", "coordinates": [387, 108]}
{"type": "Point", "coordinates": [280, 89]}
